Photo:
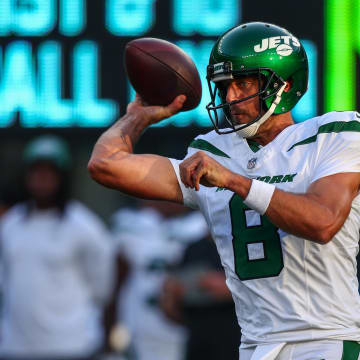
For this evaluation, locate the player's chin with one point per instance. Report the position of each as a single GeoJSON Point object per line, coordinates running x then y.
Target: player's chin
{"type": "Point", "coordinates": [240, 118]}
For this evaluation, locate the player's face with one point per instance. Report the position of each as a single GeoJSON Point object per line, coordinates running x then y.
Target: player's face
{"type": "Point", "coordinates": [42, 181]}
{"type": "Point", "coordinates": [237, 89]}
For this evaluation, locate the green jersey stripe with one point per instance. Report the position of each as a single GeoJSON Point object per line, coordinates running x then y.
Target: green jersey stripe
{"type": "Point", "coordinates": [351, 350]}
{"type": "Point", "coordinates": [253, 145]}
{"type": "Point", "coordinates": [337, 126]}
{"type": "Point", "coordinates": [205, 145]}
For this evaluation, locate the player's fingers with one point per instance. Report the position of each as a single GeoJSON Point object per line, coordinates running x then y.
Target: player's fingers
{"type": "Point", "coordinates": [135, 103]}
{"type": "Point", "coordinates": [138, 99]}
{"type": "Point", "coordinates": [176, 105]}
{"type": "Point", "coordinates": [196, 176]}
{"type": "Point", "coordinates": [185, 175]}
{"type": "Point", "coordinates": [142, 102]}
{"type": "Point", "coordinates": [187, 167]}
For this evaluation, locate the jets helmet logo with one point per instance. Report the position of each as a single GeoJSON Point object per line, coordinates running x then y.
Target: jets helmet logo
{"type": "Point", "coordinates": [282, 44]}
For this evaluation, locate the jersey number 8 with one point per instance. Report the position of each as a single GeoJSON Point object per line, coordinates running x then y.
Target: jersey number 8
{"type": "Point", "coordinates": [256, 242]}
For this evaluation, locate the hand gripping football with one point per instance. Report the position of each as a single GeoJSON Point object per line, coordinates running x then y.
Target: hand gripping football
{"type": "Point", "coordinates": [159, 71]}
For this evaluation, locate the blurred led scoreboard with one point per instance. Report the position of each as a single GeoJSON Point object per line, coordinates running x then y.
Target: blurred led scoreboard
{"type": "Point", "coordinates": [61, 60]}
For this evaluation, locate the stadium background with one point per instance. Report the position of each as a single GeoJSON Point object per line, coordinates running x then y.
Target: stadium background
{"type": "Point", "coordinates": [61, 69]}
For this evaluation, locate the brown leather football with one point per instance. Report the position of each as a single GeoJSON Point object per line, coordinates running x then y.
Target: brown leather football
{"type": "Point", "coordinates": [159, 71]}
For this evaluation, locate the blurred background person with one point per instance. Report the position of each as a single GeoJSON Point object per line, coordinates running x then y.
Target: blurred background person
{"type": "Point", "coordinates": [196, 295]}
{"type": "Point", "coordinates": [152, 238]}
{"type": "Point", "coordinates": [57, 264]}
{"type": "Point", "coordinates": [9, 196]}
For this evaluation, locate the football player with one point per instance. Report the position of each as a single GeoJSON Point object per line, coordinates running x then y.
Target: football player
{"type": "Point", "coordinates": [56, 261]}
{"type": "Point", "coordinates": [281, 199]}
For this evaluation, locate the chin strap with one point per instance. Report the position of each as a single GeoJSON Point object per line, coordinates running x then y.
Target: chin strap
{"type": "Point", "coordinates": [252, 129]}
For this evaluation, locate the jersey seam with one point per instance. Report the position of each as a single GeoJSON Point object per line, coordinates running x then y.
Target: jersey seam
{"type": "Point", "coordinates": [307, 283]}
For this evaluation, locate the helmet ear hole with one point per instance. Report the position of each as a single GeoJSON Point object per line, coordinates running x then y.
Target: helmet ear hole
{"type": "Point", "coordinates": [289, 83]}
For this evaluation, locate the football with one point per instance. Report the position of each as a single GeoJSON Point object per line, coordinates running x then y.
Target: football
{"type": "Point", "coordinates": [159, 71]}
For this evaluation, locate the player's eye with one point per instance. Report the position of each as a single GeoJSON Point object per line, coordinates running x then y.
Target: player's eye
{"type": "Point", "coordinates": [244, 84]}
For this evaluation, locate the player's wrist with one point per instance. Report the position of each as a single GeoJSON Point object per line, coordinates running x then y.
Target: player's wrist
{"type": "Point", "coordinates": [138, 119]}
{"type": "Point", "coordinates": [259, 196]}
{"type": "Point", "coordinates": [238, 184]}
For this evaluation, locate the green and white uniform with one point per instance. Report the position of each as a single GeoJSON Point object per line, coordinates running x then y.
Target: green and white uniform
{"type": "Point", "coordinates": [285, 288]}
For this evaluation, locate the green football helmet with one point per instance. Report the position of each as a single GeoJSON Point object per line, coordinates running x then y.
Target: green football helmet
{"type": "Point", "coordinates": [270, 53]}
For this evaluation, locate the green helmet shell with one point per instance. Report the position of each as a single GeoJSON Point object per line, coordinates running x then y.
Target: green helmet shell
{"type": "Point", "coordinates": [48, 148]}
{"type": "Point", "coordinates": [264, 46]}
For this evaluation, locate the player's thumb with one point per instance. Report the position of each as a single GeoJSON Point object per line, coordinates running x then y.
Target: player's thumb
{"type": "Point", "coordinates": [176, 105]}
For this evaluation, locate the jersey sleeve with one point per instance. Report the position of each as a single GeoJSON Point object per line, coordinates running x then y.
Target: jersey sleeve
{"type": "Point", "coordinates": [189, 195]}
{"type": "Point", "coordinates": [339, 150]}
{"type": "Point", "coordinates": [214, 146]}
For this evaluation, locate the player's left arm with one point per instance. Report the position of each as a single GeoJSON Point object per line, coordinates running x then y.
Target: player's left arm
{"type": "Point", "coordinates": [316, 215]}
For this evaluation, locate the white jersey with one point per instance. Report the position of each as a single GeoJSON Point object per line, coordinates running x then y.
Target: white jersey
{"type": "Point", "coordinates": [151, 244]}
{"type": "Point", "coordinates": [57, 275]}
{"type": "Point", "coordinates": [141, 238]}
{"type": "Point", "coordinates": [285, 288]}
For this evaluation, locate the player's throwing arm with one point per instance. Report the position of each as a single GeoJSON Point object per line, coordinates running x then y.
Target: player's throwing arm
{"type": "Point", "coordinates": [113, 164]}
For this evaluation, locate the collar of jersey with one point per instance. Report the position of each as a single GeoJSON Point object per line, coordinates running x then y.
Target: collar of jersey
{"type": "Point", "coordinates": [253, 145]}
